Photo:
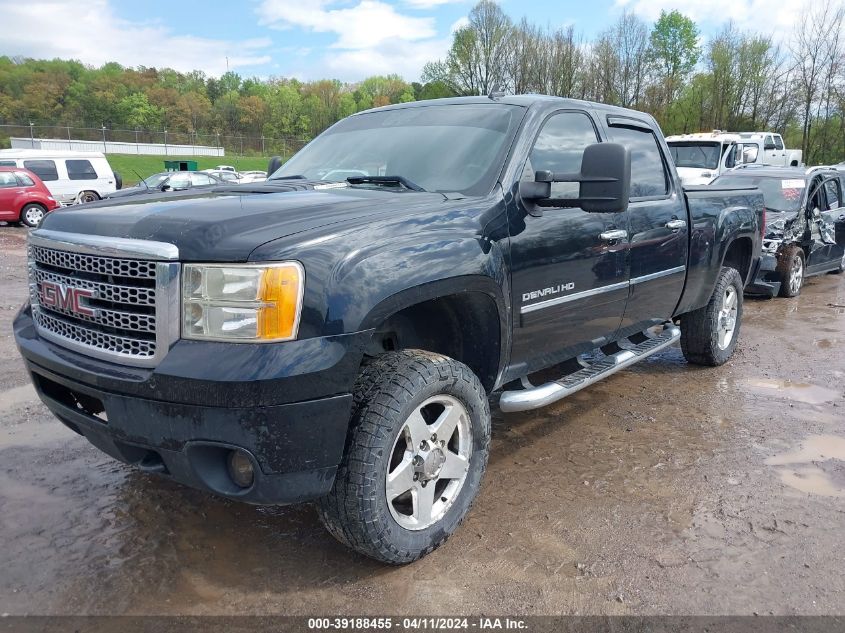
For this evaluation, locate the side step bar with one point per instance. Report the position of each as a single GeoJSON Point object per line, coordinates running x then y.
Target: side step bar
{"type": "Point", "coordinates": [536, 397]}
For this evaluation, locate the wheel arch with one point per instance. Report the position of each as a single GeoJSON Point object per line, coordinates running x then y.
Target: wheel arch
{"type": "Point", "coordinates": [463, 317]}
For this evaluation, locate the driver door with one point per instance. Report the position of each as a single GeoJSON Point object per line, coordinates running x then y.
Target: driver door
{"type": "Point", "coordinates": [569, 268]}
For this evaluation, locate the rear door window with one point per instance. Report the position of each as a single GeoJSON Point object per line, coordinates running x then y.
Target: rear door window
{"type": "Point", "coordinates": [81, 170]}
{"type": "Point", "coordinates": [7, 179]}
{"type": "Point", "coordinates": [834, 195]}
{"type": "Point", "coordinates": [648, 171]}
{"type": "Point", "coordinates": [44, 169]}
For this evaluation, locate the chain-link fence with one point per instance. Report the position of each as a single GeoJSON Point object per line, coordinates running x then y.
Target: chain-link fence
{"type": "Point", "coordinates": [233, 144]}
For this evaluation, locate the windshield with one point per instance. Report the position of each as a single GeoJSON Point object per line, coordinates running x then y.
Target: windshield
{"type": "Point", "coordinates": [779, 194]}
{"type": "Point", "coordinates": [696, 155]}
{"type": "Point", "coordinates": [155, 180]}
{"type": "Point", "coordinates": [448, 148]}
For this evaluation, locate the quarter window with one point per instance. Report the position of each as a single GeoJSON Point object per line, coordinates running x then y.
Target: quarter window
{"type": "Point", "coordinates": [81, 170]}
{"type": "Point", "coordinates": [559, 148]}
{"type": "Point", "coordinates": [648, 170]}
{"type": "Point", "coordinates": [44, 169]}
{"type": "Point", "coordinates": [24, 179]}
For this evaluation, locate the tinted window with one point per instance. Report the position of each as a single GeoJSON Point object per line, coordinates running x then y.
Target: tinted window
{"type": "Point", "coordinates": [445, 148]}
{"type": "Point", "coordinates": [81, 170]}
{"type": "Point", "coordinates": [560, 147]}
{"type": "Point", "coordinates": [24, 179]}
{"type": "Point", "coordinates": [7, 179]}
{"type": "Point", "coordinates": [831, 188]}
{"type": "Point", "coordinates": [8, 163]}
{"type": "Point", "coordinates": [778, 142]}
{"type": "Point", "coordinates": [779, 193]}
{"type": "Point", "coordinates": [44, 169]}
{"type": "Point", "coordinates": [648, 173]}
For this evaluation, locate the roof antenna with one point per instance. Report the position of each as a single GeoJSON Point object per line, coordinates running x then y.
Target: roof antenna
{"type": "Point", "coordinates": [496, 93]}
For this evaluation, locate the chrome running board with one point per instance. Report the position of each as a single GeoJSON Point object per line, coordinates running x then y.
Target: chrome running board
{"type": "Point", "coordinates": [535, 397]}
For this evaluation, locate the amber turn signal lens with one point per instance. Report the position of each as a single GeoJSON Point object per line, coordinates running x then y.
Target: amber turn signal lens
{"type": "Point", "coordinates": [280, 294]}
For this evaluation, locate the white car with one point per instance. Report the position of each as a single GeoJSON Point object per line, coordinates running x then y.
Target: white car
{"type": "Point", "coordinates": [223, 168]}
{"type": "Point", "coordinates": [225, 175]}
{"type": "Point", "coordinates": [70, 176]}
{"type": "Point", "coordinates": [253, 176]}
{"type": "Point", "coordinates": [774, 150]}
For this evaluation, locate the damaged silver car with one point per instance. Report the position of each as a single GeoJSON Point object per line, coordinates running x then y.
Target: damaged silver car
{"type": "Point", "coordinates": [804, 233]}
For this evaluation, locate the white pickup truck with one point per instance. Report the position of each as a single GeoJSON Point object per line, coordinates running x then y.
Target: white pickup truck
{"type": "Point", "coordinates": [774, 150]}
{"type": "Point", "coordinates": [700, 158]}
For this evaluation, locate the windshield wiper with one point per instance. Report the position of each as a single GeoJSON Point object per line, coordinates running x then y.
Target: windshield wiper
{"type": "Point", "coordinates": [293, 177]}
{"type": "Point", "coordinates": [359, 180]}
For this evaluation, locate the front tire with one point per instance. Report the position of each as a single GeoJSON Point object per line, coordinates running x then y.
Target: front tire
{"type": "Point", "coordinates": [32, 215]}
{"type": "Point", "coordinates": [709, 335]}
{"type": "Point", "coordinates": [790, 270]}
{"type": "Point", "coordinates": [416, 452]}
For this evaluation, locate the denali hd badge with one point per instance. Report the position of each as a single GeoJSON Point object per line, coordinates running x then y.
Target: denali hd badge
{"type": "Point", "coordinates": [554, 290]}
{"type": "Point", "coordinates": [68, 298]}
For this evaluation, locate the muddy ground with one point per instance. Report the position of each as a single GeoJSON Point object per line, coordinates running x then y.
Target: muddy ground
{"type": "Point", "coordinates": [665, 489]}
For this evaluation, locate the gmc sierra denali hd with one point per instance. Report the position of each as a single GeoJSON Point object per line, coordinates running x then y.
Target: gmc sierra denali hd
{"type": "Point", "coordinates": [334, 334]}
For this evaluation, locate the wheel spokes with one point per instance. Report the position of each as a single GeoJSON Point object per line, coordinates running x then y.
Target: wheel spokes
{"type": "Point", "coordinates": [446, 422]}
{"type": "Point", "coordinates": [401, 480]}
{"type": "Point", "coordinates": [454, 467]}
{"type": "Point", "coordinates": [424, 503]}
{"type": "Point", "coordinates": [417, 429]}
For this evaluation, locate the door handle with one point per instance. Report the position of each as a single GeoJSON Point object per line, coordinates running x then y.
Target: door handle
{"type": "Point", "coordinates": [675, 224]}
{"type": "Point", "coordinates": [612, 236]}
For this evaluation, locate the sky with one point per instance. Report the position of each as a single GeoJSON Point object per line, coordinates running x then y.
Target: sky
{"type": "Point", "coordinates": [313, 39]}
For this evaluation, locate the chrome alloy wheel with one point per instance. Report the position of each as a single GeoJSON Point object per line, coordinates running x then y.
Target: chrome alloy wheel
{"type": "Point", "coordinates": [796, 274]}
{"type": "Point", "coordinates": [727, 317]}
{"type": "Point", "coordinates": [429, 462]}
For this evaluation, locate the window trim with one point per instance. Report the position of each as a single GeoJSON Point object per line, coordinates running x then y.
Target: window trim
{"type": "Point", "coordinates": [542, 125]}
{"type": "Point", "coordinates": [614, 121]}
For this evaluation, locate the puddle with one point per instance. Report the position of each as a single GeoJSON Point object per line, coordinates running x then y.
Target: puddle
{"type": "Point", "coordinates": [798, 391]}
{"type": "Point", "coordinates": [17, 396]}
{"type": "Point", "coordinates": [816, 466]}
{"type": "Point", "coordinates": [815, 448]}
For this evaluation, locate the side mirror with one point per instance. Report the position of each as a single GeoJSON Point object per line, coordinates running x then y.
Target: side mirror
{"type": "Point", "coordinates": [274, 164]}
{"type": "Point", "coordinates": [165, 187]}
{"type": "Point", "coordinates": [605, 181]}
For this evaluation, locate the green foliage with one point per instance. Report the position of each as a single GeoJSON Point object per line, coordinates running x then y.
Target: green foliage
{"type": "Point", "coordinates": [128, 164]}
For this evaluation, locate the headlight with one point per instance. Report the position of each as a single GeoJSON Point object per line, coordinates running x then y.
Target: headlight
{"type": "Point", "coordinates": [242, 302]}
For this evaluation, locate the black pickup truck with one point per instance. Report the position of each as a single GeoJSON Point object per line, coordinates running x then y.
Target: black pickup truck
{"type": "Point", "coordinates": [335, 334]}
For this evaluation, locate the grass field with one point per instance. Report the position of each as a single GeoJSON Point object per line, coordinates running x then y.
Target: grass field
{"type": "Point", "coordinates": [128, 164]}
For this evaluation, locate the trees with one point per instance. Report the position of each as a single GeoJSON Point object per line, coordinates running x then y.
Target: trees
{"type": "Point", "coordinates": [674, 52]}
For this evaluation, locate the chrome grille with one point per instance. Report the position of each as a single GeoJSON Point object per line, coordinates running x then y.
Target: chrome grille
{"type": "Point", "coordinates": [101, 302]}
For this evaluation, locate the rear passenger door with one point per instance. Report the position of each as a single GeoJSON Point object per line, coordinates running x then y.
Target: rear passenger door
{"type": "Point", "coordinates": [658, 230]}
{"type": "Point", "coordinates": [48, 172]}
{"type": "Point", "coordinates": [8, 192]}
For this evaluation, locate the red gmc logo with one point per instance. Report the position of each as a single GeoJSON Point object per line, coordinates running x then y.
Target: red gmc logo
{"type": "Point", "coordinates": [54, 295]}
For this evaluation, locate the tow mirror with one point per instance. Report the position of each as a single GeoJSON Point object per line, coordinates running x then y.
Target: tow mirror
{"type": "Point", "coordinates": [605, 182]}
{"type": "Point", "coordinates": [274, 164]}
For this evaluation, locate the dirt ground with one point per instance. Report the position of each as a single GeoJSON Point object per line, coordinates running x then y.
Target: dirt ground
{"type": "Point", "coordinates": [665, 489]}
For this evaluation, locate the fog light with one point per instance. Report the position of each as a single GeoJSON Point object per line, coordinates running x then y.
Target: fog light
{"type": "Point", "coordinates": [240, 468]}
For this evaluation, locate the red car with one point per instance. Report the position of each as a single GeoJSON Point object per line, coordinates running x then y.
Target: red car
{"type": "Point", "coordinates": [23, 197]}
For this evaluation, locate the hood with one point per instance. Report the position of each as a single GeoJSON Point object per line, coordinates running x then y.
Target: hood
{"type": "Point", "coordinates": [696, 176]}
{"type": "Point", "coordinates": [228, 223]}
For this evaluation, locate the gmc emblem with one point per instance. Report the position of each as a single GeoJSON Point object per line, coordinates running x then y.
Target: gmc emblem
{"type": "Point", "coordinates": [56, 295]}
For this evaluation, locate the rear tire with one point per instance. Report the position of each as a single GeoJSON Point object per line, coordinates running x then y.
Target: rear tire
{"type": "Point", "coordinates": [88, 196]}
{"type": "Point", "coordinates": [378, 505]}
{"type": "Point", "coordinates": [710, 334]}
{"type": "Point", "coordinates": [790, 270]}
{"type": "Point", "coordinates": [33, 214]}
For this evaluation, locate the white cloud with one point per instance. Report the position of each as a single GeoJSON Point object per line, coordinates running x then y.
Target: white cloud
{"type": "Point", "coordinates": [372, 37]}
{"type": "Point", "coordinates": [459, 24]}
{"type": "Point", "coordinates": [775, 17]}
{"type": "Point", "coordinates": [90, 32]}
{"type": "Point", "coordinates": [429, 4]}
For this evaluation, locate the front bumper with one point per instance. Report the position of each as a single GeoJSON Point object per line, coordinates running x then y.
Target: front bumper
{"type": "Point", "coordinates": [286, 405]}
{"type": "Point", "coordinates": [765, 281]}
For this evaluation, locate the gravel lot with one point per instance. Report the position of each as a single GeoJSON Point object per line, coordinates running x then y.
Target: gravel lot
{"type": "Point", "coordinates": [665, 489]}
